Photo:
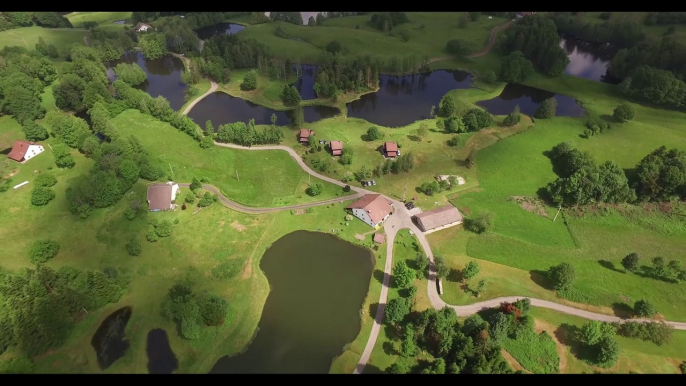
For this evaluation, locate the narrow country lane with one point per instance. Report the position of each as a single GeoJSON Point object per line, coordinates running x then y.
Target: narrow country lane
{"type": "Point", "coordinates": [213, 86]}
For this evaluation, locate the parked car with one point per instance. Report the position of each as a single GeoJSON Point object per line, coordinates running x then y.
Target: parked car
{"type": "Point", "coordinates": [373, 182]}
{"type": "Point", "coordinates": [398, 152]}
{"type": "Point", "coordinates": [364, 183]}
{"type": "Point", "coordinates": [320, 141]}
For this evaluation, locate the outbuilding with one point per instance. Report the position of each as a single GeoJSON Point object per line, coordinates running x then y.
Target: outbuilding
{"type": "Point", "coordinates": [390, 149]}
{"type": "Point", "coordinates": [23, 151]}
{"type": "Point", "coordinates": [439, 218]}
{"type": "Point", "coordinates": [336, 147]}
{"type": "Point", "coordinates": [305, 134]}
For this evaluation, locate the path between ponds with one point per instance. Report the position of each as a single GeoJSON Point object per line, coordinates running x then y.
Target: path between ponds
{"type": "Point", "coordinates": [401, 219]}
{"type": "Point", "coordinates": [213, 86]}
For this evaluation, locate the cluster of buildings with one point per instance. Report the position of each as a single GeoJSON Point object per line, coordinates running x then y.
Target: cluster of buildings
{"type": "Point", "coordinates": [389, 149]}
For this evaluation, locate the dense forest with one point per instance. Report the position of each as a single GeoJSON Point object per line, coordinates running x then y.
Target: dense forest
{"type": "Point", "coordinates": [337, 77]}
{"type": "Point", "coordinates": [9, 20]}
{"type": "Point", "coordinates": [23, 76]}
{"type": "Point", "coordinates": [620, 34]}
{"type": "Point", "coordinates": [537, 38]}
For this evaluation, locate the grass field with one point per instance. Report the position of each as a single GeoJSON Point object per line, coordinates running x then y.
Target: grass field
{"type": "Point", "coordinates": [429, 32]}
{"type": "Point", "coordinates": [28, 37]}
{"type": "Point", "coordinates": [265, 178]}
{"type": "Point", "coordinates": [104, 19]}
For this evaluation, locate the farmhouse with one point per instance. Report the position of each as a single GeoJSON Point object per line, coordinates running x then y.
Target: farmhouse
{"type": "Point", "coordinates": [142, 27]}
{"type": "Point", "coordinates": [336, 147]}
{"type": "Point", "coordinates": [373, 209]}
{"type": "Point", "coordinates": [522, 14]}
{"type": "Point", "coordinates": [390, 149]}
{"type": "Point", "coordinates": [439, 218]}
{"type": "Point", "coordinates": [23, 151]}
{"type": "Point", "coordinates": [161, 196]}
{"type": "Point", "coordinates": [305, 135]}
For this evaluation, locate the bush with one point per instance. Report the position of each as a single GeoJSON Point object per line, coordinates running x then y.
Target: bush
{"type": "Point", "coordinates": [546, 109]}
{"type": "Point", "coordinates": [249, 81]}
{"type": "Point", "coordinates": [513, 118]}
{"type": "Point", "coordinates": [455, 125]}
{"type": "Point", "coordinates": [470, 270]}
{"type": "Point", "coordinates": [373, 134]}
{"type": "Point", "coordinates": [476, 119]}
{"type": "Point", "coordinates": [207, 200]}
{"type": "Point", "coordinates": [644, 309]}
{"type": "Point", "coordinates": [480, 223]}
{"type": "Point", "coordinates": [442, 269]}
{"type": "Point", "coordinates": [133, 247]}
{"type": "Point", "coordinates": [189, 197]}
{"type": "Point", "coordinates": [657, 332]}
{"type": "Point", "coordinates": [43, 250]}
{"type": "Point", "coordinates": [45, 180]}
{"type": "Point", "coordinates": [41, 196]}
{"type": "Point", "coordinates": [562, 276]}
{"type": "Point", "coordinates": [490, 77]}
{"type": "Point", "coordinates": [455, 140]}
{"type": "Point", "coordinates": [315, 189]}
{"type": "Point", "coordinates": [334, 47]}
{"type": "Point", "coordinates": [456, 47]}
{"type": "Point", "coordinates": [405, 35]}
{"type": "Point", "coordinates": [624, 112]}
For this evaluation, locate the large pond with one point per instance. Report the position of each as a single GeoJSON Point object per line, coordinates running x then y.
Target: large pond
{"type": "Point", "coordinates": [318, 284]}
{"type": "Point", "coordinates": [205, 33]}
{"type": "Point", "coordinates": [528, 99]}
{"type": "Point", "coordinates": [588, 60]}
{"type": "Point", "coordinates": [161, 358]}
{"type": "Point", "coordinates": [221, 108]}
{"type": "Point", "coordinates": [164, 76]}
{"type": "Point", "coordinates": [109, 341]}
{"type": "Point", "coordinates": [402, 100]}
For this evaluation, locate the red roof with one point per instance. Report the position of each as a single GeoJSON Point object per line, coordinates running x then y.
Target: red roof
{"type": "Point", "coordinates": [379, 238]}
{"type": "Point", "coordinates": [390, 146]}
{"type": "Point", "coordinates": [375, 205]}
{"type": "Point", "coordinates": [336, 147]}
{"type": "Point", "coordinates": [305, 134]}
{"type": "Point", "coordinates": [19, 150]}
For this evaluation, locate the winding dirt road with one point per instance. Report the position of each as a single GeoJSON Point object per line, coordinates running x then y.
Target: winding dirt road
{"type": "Point", "coordinates": [213, 86]}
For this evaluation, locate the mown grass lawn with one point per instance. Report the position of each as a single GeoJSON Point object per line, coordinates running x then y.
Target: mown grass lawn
{"type": "Point", "coordinates": [102, 18]}
{"type": "Point", "coordinates": [429, 32]}
{"type": "Point", "coordinates": [265, 178]}
{"type": "Point", "coordinates": [28, 37]}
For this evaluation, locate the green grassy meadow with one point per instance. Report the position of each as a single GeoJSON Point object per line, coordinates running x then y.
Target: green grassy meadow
{"type": "Point", "coordinates": [28, 37]}
{"type": "Point", "coordinates": [102, 18]}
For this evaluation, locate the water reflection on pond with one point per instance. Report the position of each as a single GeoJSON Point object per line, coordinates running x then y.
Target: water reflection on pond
{"type": "Point", "coordinates": [205, 33]}
{"type": "Point", "coordinates": [318, 284]}
{"type": "Point", "coordinates": [161, 358]}
{"type": "Point", "coordinates": [109, 341]}
{"type": "Point", "coordinates": [528, 99]}
{"type": "Point", "coordinates": [588, 60]}
{"type": "Point", "coordinates": [401, 100]}
{"type": "Point", "coordinates": [164, 76]}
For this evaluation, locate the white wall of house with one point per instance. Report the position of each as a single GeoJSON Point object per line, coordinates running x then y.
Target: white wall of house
{"type": "Point", "coordinates": [175, 190]}
{"type": "Point", "coordinates": [33, 151]}
{"type": "Point", "coordinates": [364, 216]}
{"type": "Point", "coordinates": [143, 28]}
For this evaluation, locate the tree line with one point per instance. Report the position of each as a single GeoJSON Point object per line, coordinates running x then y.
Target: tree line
{"type": "Point", "coordinates": [10, 20]}
{"type": "Point", "coordinates": [618, 33]}
{"type": "Point", "coordinates": [247, 135]}
{"type": "Point", "coordinates": [336, 77]}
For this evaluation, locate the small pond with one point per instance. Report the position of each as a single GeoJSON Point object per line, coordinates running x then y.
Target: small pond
{"type": "Point", "coordinates": [221, 108]}
{"type": "Point", "coordinates": [305, 83]}
{"type": "Point", "coordinates": [120, 22]}
{"type": "Point", "coordinates": [588, 60]}
{"type": "Point", "coordinates": [161, 358]}
{"type": "Point", "coordinates": [318, 284]}
{"type": "Point", "coordinates": [401, 100]}
{"type": "Point", "coordinates": [109, 341]}
{"type": "Point", "coordinates": [164, 76]}
{"type": "Point", "coordinates": [528, 99]}
{"type": "Point", "coordinates": [205, 33]}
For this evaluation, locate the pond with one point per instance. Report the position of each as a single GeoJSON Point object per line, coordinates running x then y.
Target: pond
{"type": "Point", "coordinates": [588, 60]}
{"type": "Point", "coordinates": [318, 284]}
{"type": "Point", "coordinates": [401, 100]}
{"type": "Point", "coordinates": [109, 341]}
{"type": "Point", "coordinates": [305, 83]}
{"type": "Point", "coordinates": [223, 108]}
{"type": "Point", "coordinates": [528, 99]}
{"type": "Point", "coordinates": [205, 33]}
{"type": "Point", "coordinates": [304, 15]}
{"type": "Point", "coordinates": [120, 22]}
{"type": "Point", "coordinates": [164, 76]}
{"type": "Point", "coordinates": [161, 358]}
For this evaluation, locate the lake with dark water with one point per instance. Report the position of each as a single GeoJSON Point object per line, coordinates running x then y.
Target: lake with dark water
{"type": "Point", "coordinates": [588, 60]}
{"type": "Point", "coordinates": [161, 358]}
{"type": "Point", "coordinates": [401, 100]}
{"type": "Point", "coordinates": [305, 83]}
{"type": "Point", "coordinates": [205, 33]}
{"type": "Point", "coordinates": [318, 284]}
{"type": "Point", "coordinates": [164, 76]}
{"type": "Point", "coordinates": [223, 108]}
{"type": "Point", "coordinates": [109, 341]}
{"type": "Point", "coordinates": [528, 99]}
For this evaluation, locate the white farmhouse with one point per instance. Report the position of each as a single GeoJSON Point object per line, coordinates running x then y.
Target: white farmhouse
{"type": "Point", "coordinates": [373, 209]}
{"type": "Point", "coordinates": [162, 196]}
{"type": "Point", "coordinates": [23, 151]}
{"type": "Point", "coordinates": [142, 27]}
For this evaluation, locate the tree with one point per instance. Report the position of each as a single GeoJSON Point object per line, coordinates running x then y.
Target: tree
{"type": "Point", "coordinates": [515, 68]}
{"type": "Point", "coordinates": [499, 326]}
{"type": "Point", "coordinates": [408, 347]}
{"type": "Point", "coordinates": [562, 276]}
{"type": "Point", "coordinates": [43, 250]}
{"type": "Point", "coordinates": [403, 276]}
{"type": "Point", "coordinates": [206, 142]}
{"type": "Point", "coordinates": [46, 180]}
{"type": "Point", "coordinates": [249, 81]}
{"type": "Point", "coordinates": [630, 261]}
{"type": "Point", "coordinates": [41, 196]}
{"type": "Point", "coordinates": [423, 131]}
{"type": "Point", "coordinates": [470, 270]}
{"type": "Point", "coordinates": [33, 131]}
{"type": "Point", "coordinates": [644, 309]}
{"type": "Point", "coordinates": [457, 47]}
{"type": "Point", "coordinates": [133, 247]}
{"type": "Point", "coordinates": [315, 189]}
{"type": "Point", "coordinates": [608, 353]}
{"type": "Point", "coordinates": [346, 156]}
{"type": "Point", "coordinates": [403, 163]}
{"type": "Point", "coordinates": [297, 117]}
{"type": "Point", "coordinates": [421, 262]}
{"type": "Point", "coordinates": [661, 175]}
{"type": "Point", "coordinates": [311, 22]}
{"type": "Point", "coordinates": [132, 74]}
{"type": "Point", "coordinates": [442, 269]}
{"type": "Point", "coordinates": [213, 309]}
{"type": "Point", "coordinates": [538, 40]}
{"type": "Point", "coordinates": [398, 367]}
{"type": "Point", "coordinates": [69, 92]}
{"type": "Point", "coordinates": [624, 112]}
{"type": "Point", "coordinates": [546, 109]}
{"type": "Point", "coordinates": [447, 106]}
{"type": "Point", "coordinates": [397, 309]}
{"type": "Point", "coordinates": [513, 118]}
{"type": "Point", "coordinates": [476, 119]}
{"type": "Point", "coordinates": [334, 47]}
{"type": "Point", "coordinates": [195, 184]}
{"type": "Point", "coordinates": [190, 197]}
{"type": "Point", "coordinates": [474, 15]}
{"type": "Point", "coordinates": [373, 133]}
{"type": "Point", "coordinates": [207, 200]}
{"type": "Point", "coordinates": [481, 223]}
{"type": "Point", "coordinates": [490, 77]}
{"type": "Point", "coordinates": [455, 125]}
{"type": "Point", "coordinates": [480, 287]}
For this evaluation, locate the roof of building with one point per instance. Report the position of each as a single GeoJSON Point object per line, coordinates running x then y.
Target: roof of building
{"type": "Point", "coordinates": [375, 205]}
{"type": "Point", "coordinates": [19, 150]}
{"type": "Point", "coordinates": [139, 25]}
{"type": "Point", "coordinates": [391, 146]}
{"type": "Point", "coordinates": [439, 217]}
{"type": "Point", "coordinates": [336, 145]}
{"type": "Point", "coordinates": [305, 133]}
{"type": "Point", "coordinates": [159, 196]}
{"type": "Point", "coordinates": [379, 238]}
